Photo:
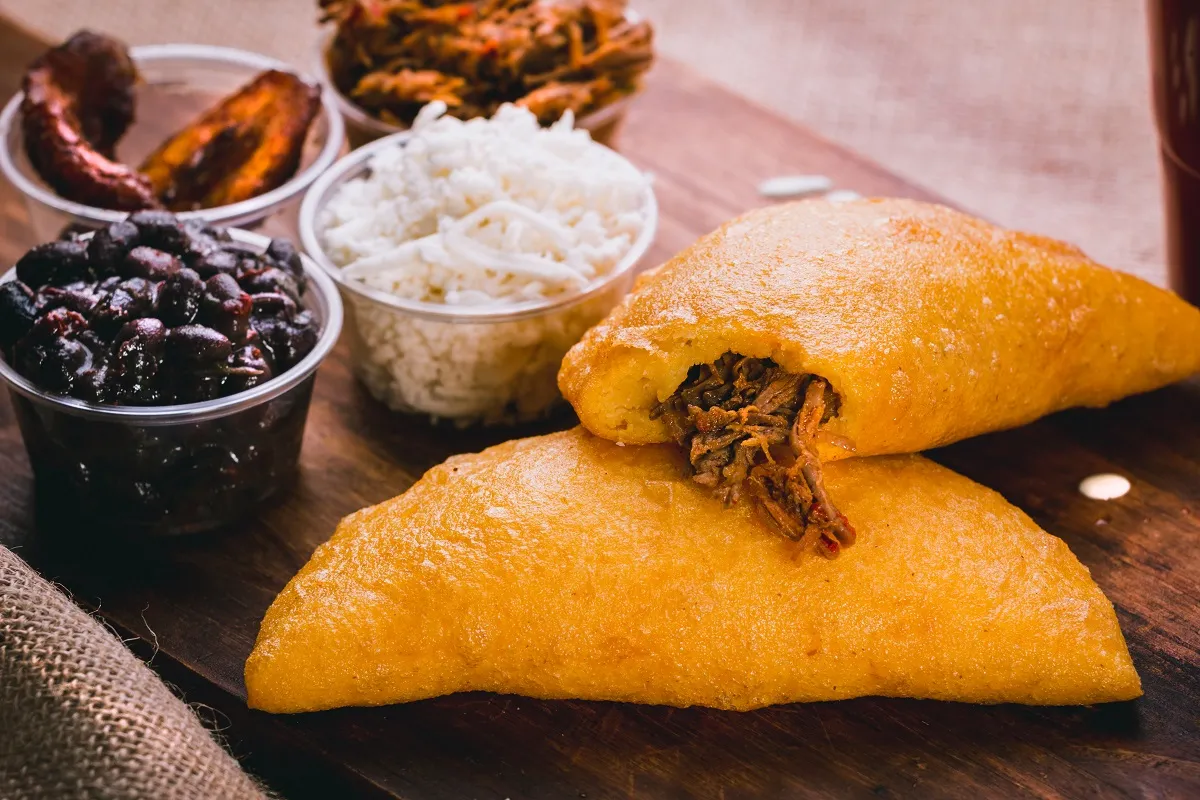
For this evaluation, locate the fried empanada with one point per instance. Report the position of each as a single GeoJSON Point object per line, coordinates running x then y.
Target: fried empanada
{"type": "Point", "coordinates": [567, 566]}
{"type": "Point", "coordinates": [864, 328]}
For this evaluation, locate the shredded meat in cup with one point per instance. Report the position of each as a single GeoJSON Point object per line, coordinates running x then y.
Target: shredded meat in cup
{"type": "Point", "coordinates": [391, 57]}
{"type": "Point", "coordinates": [746, 423]}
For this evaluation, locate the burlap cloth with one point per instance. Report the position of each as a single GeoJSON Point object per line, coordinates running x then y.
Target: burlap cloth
{"type": "Point", "coordinates": [82, 717]}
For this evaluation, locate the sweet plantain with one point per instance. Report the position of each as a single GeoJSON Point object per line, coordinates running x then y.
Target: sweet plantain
{"type": "Point", "coordinates": [78, 103]}
{"type": "Point", "coordinates": [247, 145]}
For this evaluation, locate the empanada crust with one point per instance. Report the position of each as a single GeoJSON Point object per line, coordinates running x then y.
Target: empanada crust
{"type": "Point", "coordinates": [567, 566]}
{"type": "Point", "coordinates": [933, 326]}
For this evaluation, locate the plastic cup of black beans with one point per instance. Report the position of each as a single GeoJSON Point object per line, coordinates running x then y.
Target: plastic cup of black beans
{"type": "Point", "coordinates": [161, 371]}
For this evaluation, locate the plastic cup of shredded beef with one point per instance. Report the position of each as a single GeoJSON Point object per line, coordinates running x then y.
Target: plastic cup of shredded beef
{"type": "Point", "coordinates": [604, 124]}
{"type": "Point", "coordinates": [153, 471]}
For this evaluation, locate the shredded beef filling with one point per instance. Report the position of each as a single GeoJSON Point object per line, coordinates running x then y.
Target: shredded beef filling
{"type": "Point", "coordinates": [746, 423]}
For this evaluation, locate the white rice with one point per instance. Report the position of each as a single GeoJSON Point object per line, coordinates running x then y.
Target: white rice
{"type": "Point", "coordinates": [481, 213]}
{"type": "Point", "coordinates": [487, 212]}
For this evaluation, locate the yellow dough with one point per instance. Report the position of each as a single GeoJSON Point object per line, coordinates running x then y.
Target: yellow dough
{"type": "Point", "coordinates": [566, 566]}
{"type": "Point", "coordinates": [931, 325]}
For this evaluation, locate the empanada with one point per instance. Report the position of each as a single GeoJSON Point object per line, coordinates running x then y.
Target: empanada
{"type": "Point", "coordinates": [891, 326]}
{"type": "Point", "coordinates": [567, 566]}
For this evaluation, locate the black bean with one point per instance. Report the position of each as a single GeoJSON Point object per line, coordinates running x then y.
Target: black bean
{"type": "Point", "coordinates": [108, 246]}
{"type": "Point", "coordinates": [225, 307]}
{"type": "Point", "coordinates": [18, 311]}
{"type": "Point", "coordinates": [49, 355]}
{"type": "Point", "coordinates": [135, 362]}
{"type": "Point", "coordinates": [56, 365]}
{"type": "Point", "coordinates": [287, 342]}
{"type": "Point", "coordinates": [94, 386]}
{"type": "Point", "coordinates": [77, 297]}
{"type": "Point", "coordinates": [130, 299]}
{"type": "Point", "coordinates": [252, 264]}
{"type": "Point", "coordinates": [274, 280]}
{"type": "Point", "coordinates": [198, 246]}
{"type": "Point", "coordinates": [273, 304]}
{"type": "Point", "coordinates": [221, 288]}
{"type": "Point", "coordinates": [216, 263]}
{"type": "Point", "coordinates": [54, 263]}
{"type": "Point", "coordinates": [179, 297]}
{"type": "Point", "coordinates": [58, 322]}
{"type": "Point", "coordinates": [149, 263]}
{"type": "Point", "coordinates": [248, 367]}
{"type": "Point", "coordinates": [285, 254]}
{"type": "Point", "coordinates": [198, 344]}
{"type": "Point", "coordinates": [149, 329]}
{"type": "Point", "coordinates": [161, 229]}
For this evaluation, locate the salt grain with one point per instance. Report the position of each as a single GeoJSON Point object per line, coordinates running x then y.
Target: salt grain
{"type": "Point", "coordinates": [794, 186]}
{"type": "Point", "coordinates": [1105, 486]}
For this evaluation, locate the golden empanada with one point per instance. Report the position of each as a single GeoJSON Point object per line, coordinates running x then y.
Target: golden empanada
{"type": "Point", "coordinates": [930, 325]}
{"type": "Point", "coordinates": [900, 325]}
{"type": "Point", "coordinates": [567, 566]}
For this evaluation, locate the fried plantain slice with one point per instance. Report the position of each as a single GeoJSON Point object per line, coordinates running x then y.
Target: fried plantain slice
{"type": "Point", "coordinates": [248, 144]}
{"type": "Point", "coordinates": [78, 103]}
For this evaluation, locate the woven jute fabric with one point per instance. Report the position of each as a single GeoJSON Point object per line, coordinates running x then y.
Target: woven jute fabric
{"type": "Point", "coordinates": [82, 717]}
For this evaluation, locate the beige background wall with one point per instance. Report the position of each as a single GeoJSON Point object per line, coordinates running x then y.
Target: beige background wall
{"type": "Point", "coordinates": [1033, 113]}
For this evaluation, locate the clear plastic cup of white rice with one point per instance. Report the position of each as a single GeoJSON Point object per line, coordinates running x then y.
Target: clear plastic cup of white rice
{"type": "Point", "coordinates": [469, 364]}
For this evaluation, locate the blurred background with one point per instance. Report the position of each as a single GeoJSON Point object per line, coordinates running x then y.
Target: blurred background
{"type": "Point", "coordinates": [1034, 114]}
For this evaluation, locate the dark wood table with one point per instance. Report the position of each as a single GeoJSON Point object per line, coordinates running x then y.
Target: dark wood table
{"type": "Point", "coordinates": [193, 607]}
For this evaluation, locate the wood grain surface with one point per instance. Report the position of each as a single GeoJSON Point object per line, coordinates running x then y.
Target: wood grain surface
{"type": "Point", "coordinates": [193, 606]}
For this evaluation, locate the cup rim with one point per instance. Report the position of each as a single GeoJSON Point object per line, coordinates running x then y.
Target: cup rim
{"type": "Point", "coordinates": [207, 409]}
{"type": "Point", "coordinates": [252, 208]}
{"type": "Point", "coordinates": [314, 203]}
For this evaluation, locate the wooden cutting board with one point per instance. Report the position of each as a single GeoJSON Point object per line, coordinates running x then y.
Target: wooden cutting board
{"type": "Point", "coordinates": [193, 607]}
